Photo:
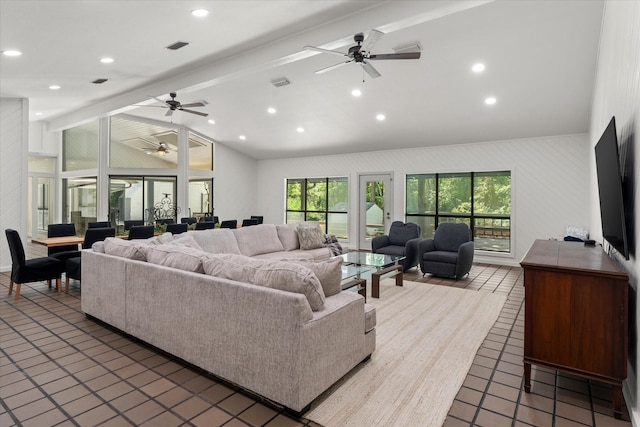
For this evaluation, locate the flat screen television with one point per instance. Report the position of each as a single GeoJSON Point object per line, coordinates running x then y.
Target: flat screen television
{"type": "Point", "coordinates": [610, 188]}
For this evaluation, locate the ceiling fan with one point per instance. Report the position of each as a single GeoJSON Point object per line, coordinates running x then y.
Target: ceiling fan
{"type": "Point", "coordinates": [174, 105]}
{"type": "Point", "coordinates": [161, 149]}
{"type": "Point", "coordinates": [361, 54]}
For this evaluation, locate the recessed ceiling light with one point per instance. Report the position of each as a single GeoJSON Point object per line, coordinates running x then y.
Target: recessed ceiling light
{"type": "Point", "coordinates": [54, 87]}
{"type": "Point", "coordinates": [300, 129]}
{"type": "Point", "coordinates": [11, 53]}
{"type": "Point", "coordinates": [199, 12]}
{"type": "Point", "coordinates": [106, 60]}
{"type": "Point", "coordinates": [380, 117]}
{"type": "Point", "coordinates": [211, 121]}
{"type": "Point", "coordinates": [356, 92]}
{"type": "Point", "coordinates": [478, 68]}
{"type": "Point", "coordinates": [490, 101]}
{"type": "Point", "coordinates": [271, 110]}
{"type": "Point", "coordinates": [242, 137]}
{"type": "Point", "coordinates": [39, 113]}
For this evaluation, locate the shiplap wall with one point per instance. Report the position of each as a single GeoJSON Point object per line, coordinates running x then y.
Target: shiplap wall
{"type": "Point", "coordinates": [617, 93]}
{"type": "Point", "coordinates": [549, 181]}
{"type": "Point", "coordinates": [13, 171]}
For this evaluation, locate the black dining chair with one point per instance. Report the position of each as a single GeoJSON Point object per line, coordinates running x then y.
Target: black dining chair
{"type": "Point", "coordinates": [30, 270]}
{"type": "Point", "coordinates": [61, 230]}
{"type": "Point", "coordinates": [177, 228]}
{"type": "Point", "coordinates": [188, 220]}
{"type": "Point", "coordinates": [230, 223]}
{"type": "Point", "coordinates": [249, 221]}
{"type": "Point", "coordinates": [73, 266]}
{"type": "Point", "coordinates": [99, 224]}
{"type": "Point", "coordinates": [205, 225]}
{"type": "Point", "coordinates": [141, 232]}
{"type": "Point", "coordinates": [128, 223]}
{"type": "Point", "coordinates": [260, 218]}
{"type": "Point", "coordinates": [213, 219]}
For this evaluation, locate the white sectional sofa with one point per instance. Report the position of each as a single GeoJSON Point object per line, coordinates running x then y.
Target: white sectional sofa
{"type": "Point", "coordinates": [270, 337]}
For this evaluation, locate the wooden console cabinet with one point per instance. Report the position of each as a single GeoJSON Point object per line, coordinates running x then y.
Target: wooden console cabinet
{"type": "Point", "coordinates": [576, 308]}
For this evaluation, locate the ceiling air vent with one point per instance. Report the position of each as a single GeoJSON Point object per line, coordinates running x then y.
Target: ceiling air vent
{"type": "Point", "coordinates": [99, 81]}
{"type": "Point", "coordinates": [177, 45]}
{"type": "Point", "coordinates": [280, 82]}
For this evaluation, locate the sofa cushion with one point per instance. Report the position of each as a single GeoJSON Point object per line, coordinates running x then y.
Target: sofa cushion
{"type": "Point", "coordinates": [258, 239]}
{"type": "Point", "coordinates": [159, 240]}
{"type": "Point", "coordinates": [176, 256]}
{"type": "Point", "coordinates": [216, 241]}
{"type": "Point", "coordinates": [329, 272]}
{"type": "Point", "coordinates": [310, 235]}
{"type": "Point", "coordinates": [185, 239]}
{"type": "Point", "coordinates": [288, 235]}
{"type": "Point", "coordinates": [132, 249]}
{"type": "Point", "coordinates": [285, 276]}
{"type": "Point", "coordinates": [369, 317]}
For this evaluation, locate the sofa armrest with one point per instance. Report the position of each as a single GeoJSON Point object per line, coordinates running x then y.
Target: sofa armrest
{"type": "Point", "coordinates": [379, 242]}
{"type": "Point", "coordinates": [465, 259]}
{"type": "Point", "coordinates": [426, 245]}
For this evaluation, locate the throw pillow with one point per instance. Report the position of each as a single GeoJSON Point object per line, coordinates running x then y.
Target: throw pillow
{"type": "Point", "coordinates": [310, 235]}
{"type": "Point", "coordinates": [159, 240]}
{"type": "Point", "coordinates": [280, 275]}
{"type": "Point", "coordinates": [132, 249]}
{"type": "Point", "coordinates": [176, 256]}
{"type": "Point", "coordinates": [329, 272]}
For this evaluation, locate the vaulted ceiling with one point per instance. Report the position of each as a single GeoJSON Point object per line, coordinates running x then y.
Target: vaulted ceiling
{"type": "Point", "coordinates": [539, 59]}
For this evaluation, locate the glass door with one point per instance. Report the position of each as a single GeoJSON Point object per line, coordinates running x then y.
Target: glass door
{"type": "Point", "coordinates": [375, 207]}
{"type": "Point", "coordinates": [40, 195]}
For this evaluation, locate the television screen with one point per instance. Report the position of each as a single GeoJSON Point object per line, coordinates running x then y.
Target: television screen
{"type": "Point", "coordinates": [610, 189]}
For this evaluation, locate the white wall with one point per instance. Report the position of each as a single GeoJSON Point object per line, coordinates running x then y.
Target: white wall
{"type": "Point", "coordinates": [549, 177]}
{"type": "Point", "coordinates": [234, 185]}
{"type": "Point", "coordinates": [617, 93]}
{"type": "Point", "coordinates": [13, 171]}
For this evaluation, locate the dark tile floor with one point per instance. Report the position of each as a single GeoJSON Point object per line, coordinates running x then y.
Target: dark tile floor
{"type": "Point", "coordinates": [59, 368]}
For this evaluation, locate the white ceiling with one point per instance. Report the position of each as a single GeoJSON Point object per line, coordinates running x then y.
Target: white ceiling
{"type": "Point", "coordinates": [540, 59]}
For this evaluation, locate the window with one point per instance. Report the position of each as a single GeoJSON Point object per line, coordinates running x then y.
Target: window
{"type": "Point", "coordinates": [200, 153]}
{"type": "Point", "coordinates": [147, 198]}
{"type": "Point", "coordinates": [80, 147]}
{"type": "Point", "coordinates": [482, 200]}
{"type": "Point", "coordinates": [319, 199]}
{"type": "Point", "coordinates": [142, 145]}
{"type": "Point", "coordinates": [79, 201]}
{"type": "Point", "coordinates": [200, 197]}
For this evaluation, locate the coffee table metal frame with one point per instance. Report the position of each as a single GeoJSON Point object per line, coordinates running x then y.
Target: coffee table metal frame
{"type": "Point", "coordinates": [383, 264]}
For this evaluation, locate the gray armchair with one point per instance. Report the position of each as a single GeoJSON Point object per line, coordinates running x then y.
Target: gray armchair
{"type": "Point", "coordinates": [402, 240]}
{"type": "Point", "coordinates": [449, 253]}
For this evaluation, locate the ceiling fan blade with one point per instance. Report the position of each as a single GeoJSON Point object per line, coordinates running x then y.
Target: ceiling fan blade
{"type": "Point", "coordinates": [158, 99]}
{"type": "Point", "coordinates": [372, 38]}
{"type": "Point", "coordinates": [194, 104]}
{"type": "Point", "coordinates": [194, 112]}
{"type": "Point", "coordinates": [156, 106]}
{"type": "Point", "coordinates": [319, 49]}
{"type": "Point", "coordinates": [169, 112]}
{"type": "Point", "coordinates": [373, 73]}
{"type": "Point", "coordinates": [333, 67]}
{"type": "Point", "coordinates": [404, 55]}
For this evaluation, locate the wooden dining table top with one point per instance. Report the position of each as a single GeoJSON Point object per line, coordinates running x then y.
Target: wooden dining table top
{"type": "Point", "coordinates": [58, 241]}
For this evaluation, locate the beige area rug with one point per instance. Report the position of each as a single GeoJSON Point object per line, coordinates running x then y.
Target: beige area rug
{"type": "Point", "coordinates": [427, 337]}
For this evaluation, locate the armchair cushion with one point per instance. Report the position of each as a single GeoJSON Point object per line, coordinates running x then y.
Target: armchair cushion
{"type": "Point", "coordinates": [400, 233]}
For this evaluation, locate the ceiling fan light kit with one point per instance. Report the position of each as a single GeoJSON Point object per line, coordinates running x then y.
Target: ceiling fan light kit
{"type": "Point", "coordinates": [361, 53]}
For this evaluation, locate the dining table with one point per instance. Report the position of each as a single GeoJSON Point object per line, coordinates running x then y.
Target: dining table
{"type": "Point", "coordinates": [58, 241]}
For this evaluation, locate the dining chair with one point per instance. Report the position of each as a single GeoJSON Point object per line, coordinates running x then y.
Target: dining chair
{"type": "Point", "coordinates": [213, 219]}
{"type": "Point", "coordinates": [61, 230]}
{"type": "Point", "coordinates": [177, 228]}
{"type": "Point", "coordinates": [73, 266]}
{"type": "Point", "coordinates": [260, 218]}
{"type": "Point", "coordinates": [128, 223]}
{"type": "Point", "coordinates": [141, 232]}
{"type": "Point", "coordinates": [205, 225]}
{"type": "Point", "coordinates": [30, 270]}
{"type": "Point", "coordinates": [230, 223]}
{"type": "Point", "coordinates": [99, 224]}
{"type": "Point", "coordinates": [188, 220]}
{"type": "Point", "coordinates": [249, 221]}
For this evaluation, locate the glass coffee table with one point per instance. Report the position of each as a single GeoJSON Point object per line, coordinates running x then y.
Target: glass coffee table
{"type": "Point", "coordinates": [379, 265]}
{"type": "Point", "coordinates": [351, 279]}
